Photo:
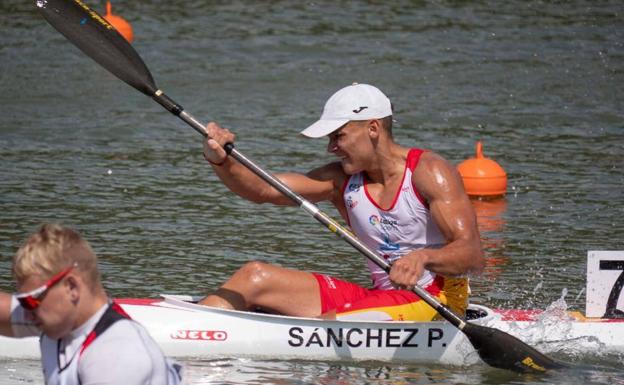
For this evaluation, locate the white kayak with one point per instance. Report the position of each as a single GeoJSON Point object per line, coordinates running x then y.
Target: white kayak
{"type": "Point", "coordinates": [185, 329]}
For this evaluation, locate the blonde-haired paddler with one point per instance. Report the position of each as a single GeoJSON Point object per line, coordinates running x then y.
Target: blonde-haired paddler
{"type": "Point", "coordinates": [85, 338]}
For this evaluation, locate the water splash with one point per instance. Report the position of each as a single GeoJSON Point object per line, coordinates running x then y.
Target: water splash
{"type": "Point", "coordinates": [538, 287]}
{"type": "Point", "coordinates": [551, 327]}
{"type": "Point", "coordinates": [579, 294]}
{"type": "Point", "coordinates": [552, 332]}
{"type": "Point", "coordinates": [556, 311]}
{"type": "Point", "coordinates": [466, 350]}
{"type": "Point", "coordinates": [41, 3]}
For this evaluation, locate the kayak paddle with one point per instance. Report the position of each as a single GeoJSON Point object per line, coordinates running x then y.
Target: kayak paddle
{"type": "Point", "coordinates": [99, 40]}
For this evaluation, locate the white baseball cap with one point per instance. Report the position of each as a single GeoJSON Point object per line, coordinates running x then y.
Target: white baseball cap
{"type": "Point", "coordinates": [354, 102]}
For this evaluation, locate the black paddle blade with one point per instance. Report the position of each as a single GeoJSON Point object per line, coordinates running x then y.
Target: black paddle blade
{"type": "Point", "coordinates": [99, 40]}
{"type": "Point", "coordinates": [502, 350]}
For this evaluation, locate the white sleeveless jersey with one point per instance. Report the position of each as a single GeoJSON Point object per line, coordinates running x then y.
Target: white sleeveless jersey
{"type": "Point", "coordinates": [394, 231]}
{"type": "Point", "coordinates": [114, 351]}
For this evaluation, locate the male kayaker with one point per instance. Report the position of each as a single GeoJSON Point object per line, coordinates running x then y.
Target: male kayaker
{"type": "Point", "coordinates": [85, 338]}
{"type": "Point", "coordinates": [407, 204]}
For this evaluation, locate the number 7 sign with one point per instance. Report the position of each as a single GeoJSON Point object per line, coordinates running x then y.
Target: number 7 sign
{"type": "Point", "coordinates": [605, 281]}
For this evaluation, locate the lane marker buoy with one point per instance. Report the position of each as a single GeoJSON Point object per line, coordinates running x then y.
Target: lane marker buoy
{"type": "Point", "coordinates": [482, 176]}
{"type": "Point", "coordinates": [120, 24]}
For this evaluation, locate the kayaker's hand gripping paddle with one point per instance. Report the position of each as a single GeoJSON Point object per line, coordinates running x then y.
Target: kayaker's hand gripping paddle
{"type": "Point", "coordinates": [100, 41]}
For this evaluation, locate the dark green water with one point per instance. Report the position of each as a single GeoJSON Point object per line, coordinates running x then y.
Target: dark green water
{"type": "Point", "coordinates": [540, 83]}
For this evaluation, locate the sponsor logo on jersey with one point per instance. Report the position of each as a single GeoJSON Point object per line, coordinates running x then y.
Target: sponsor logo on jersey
{"type": "Point", "coordinates": [388, 245]}
{"type": "Point", "coordinates": [384, 222]}
{"type": "Point", "coordinates": [354, 187]}
{"type": "Point", "coordinates": [351, 203]}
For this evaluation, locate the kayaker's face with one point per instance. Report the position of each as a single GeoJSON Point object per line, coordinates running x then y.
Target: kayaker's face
{"type": "Point", "coordinates": [55, 315]}
{"type": "Point", "coordinates": [351, 144]}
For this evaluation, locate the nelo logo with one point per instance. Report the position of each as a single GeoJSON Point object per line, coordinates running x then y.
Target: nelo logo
{"type": "Point", "coordinates": [203, 335]}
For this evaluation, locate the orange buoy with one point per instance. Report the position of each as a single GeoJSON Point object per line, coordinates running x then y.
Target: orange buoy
{"type": "Point", "coordinates": [120, 24]}
{"type": "Point", "coordinates": [482, 176]}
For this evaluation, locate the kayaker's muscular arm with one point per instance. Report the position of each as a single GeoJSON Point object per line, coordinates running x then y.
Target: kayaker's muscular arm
{"type": "Point", "coordinates": [317, 185]}
{"type": "Point", "coordinates": [5, 315]}
{"type": "Point", "coordinates": [440, 184]}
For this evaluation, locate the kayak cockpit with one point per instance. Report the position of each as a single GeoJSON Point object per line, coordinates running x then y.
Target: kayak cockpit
{"type": "Point", "coordinates": [473, 313]}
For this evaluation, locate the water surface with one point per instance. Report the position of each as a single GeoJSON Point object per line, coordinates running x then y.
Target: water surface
{"type": "Point", "coordinates": [540, 83]}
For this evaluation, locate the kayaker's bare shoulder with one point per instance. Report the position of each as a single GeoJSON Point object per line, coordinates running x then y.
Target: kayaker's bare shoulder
{"type": "Point", "coordinates": [434, 172]}
{"type": "Point", "coordinates": [330, 172]}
